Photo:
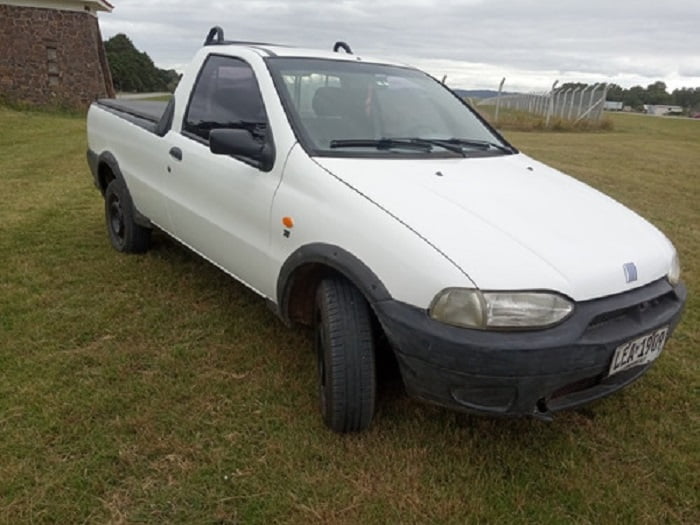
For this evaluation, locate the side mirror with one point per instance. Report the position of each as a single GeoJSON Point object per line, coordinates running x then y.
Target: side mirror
{"type": "Point", "coordinates": [240, 142]}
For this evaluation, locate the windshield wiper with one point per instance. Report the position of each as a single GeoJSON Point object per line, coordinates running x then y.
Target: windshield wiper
{"type": "Point", "coordinates": [444, 144]}
{"type": "Point", "coordinates": [485, 144]}
{"type": "Point", "coordinates": [383, 143]}
{"type": "Point", "coordinates": [426, 144]}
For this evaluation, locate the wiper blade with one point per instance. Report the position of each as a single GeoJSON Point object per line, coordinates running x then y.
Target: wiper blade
{"type": "Point", "coordinates": [383, 143]}
{"type": "Point", "coordinates": [444, 144]}
{"type": "Point", "coordinates": [455, 145]}
{"type": "Point", "coordinates": [478, 144]}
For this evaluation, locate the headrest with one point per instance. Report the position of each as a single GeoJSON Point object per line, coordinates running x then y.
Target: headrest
{"type": "Point", "coordinates": [328, 101]}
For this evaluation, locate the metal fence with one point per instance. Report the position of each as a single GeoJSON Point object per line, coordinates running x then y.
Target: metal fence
{"type": "Point", "coordinates": [572, 104]}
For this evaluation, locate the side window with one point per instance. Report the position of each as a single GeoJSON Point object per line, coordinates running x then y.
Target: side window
{"type": "Point", "coordinates": [226, 95]}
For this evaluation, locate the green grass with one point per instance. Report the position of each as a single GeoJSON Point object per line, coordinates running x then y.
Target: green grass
{"type": "Point", "coordinates": [155, 389]}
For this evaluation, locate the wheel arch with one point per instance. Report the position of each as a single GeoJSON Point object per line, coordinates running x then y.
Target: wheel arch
{"type": "Point", "coordinates": [107, 170]}
{"type": "Point", "coordinates": [307, 266]}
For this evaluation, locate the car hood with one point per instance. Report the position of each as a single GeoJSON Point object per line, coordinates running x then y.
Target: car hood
{"type": "Point", "coordinates": [512, 223]}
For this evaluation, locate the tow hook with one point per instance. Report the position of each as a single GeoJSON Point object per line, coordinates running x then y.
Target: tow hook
{"type": "Point", "coordinates": [541, 411]}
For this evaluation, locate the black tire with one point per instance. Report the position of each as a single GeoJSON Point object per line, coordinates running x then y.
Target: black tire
{"type": "Point", "coordinates": [124, 234]}
{"type": "Point", "coordinates": [345, 353]}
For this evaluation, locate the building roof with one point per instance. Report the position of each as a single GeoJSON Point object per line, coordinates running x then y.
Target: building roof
{"type": "Point", "coordinates": [67, 5]}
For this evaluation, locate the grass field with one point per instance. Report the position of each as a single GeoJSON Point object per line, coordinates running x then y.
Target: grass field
{"type": "Point", "coordinates": [156, 389]}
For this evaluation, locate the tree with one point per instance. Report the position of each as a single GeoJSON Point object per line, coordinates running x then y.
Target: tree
{"type": "Point", "coordinates": [133, 70]}
{"type": "Point", "coordinates": [572, 85]}
{"type": "Point", "coordinates": [656, 93]}
{"type": "Point", "coordinates": [615, 93]}
{"type": "Point", "coordinates": [688, 98]}
{"type": "Point", "coordinates": [634, 97]}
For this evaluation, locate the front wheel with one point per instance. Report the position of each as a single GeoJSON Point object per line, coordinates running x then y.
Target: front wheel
{"type": "Point", "coordinates": [345, 354]}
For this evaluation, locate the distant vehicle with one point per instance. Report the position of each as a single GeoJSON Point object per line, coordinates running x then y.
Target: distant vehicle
{"type": "Point", "coordinates": [363, 198]}
{"type": "Point", "coordinates": [662, 109]}
{"type": "Point", "coordinates": [611, 105]}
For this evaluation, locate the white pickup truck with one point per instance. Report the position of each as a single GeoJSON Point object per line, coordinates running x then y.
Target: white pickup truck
{"type": "Point", "coordinates": [363, 198]}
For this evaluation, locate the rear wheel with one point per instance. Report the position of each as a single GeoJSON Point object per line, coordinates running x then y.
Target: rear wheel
{"type": "Point", "coordinates": [345, 355]}
{"type": "Point", "coordinates": [124, 234]}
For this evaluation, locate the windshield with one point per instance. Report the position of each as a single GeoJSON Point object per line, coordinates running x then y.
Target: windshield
{"type": "Point", "coordinates": [342, 108]}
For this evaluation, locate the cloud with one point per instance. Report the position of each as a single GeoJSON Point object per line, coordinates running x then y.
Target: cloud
{"type": "Point", "coordinates": [528, 40]}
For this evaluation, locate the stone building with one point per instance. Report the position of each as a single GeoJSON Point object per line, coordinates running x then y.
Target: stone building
{"type": "Point", "coordinates": [51, 52]}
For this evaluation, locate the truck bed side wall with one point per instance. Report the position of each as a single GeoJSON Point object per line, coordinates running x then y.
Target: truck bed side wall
{"type": "Point", "coordinates": [142, 158]}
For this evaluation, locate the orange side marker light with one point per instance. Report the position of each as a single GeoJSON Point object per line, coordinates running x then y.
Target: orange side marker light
{"type": "Point", "coordinates": [288, 222]}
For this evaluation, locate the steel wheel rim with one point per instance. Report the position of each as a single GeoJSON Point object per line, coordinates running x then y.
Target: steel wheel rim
{"type": "Point", "coordinates": [116, 218]}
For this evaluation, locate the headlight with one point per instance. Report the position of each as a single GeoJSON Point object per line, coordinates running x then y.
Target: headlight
{"type": "Point", "coordinates": [674, 273]}
{"type": "Point", "coordinates": [499, 310]}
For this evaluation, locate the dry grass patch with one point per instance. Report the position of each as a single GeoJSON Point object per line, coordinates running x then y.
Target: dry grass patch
{"type": "Point", "coordinates": [516, 120]}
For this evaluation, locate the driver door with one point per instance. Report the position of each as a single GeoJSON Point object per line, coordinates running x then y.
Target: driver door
{"type": "Point", "coordinates": [219, 205]}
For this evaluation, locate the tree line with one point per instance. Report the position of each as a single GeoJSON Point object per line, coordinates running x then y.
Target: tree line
{"type": "Point", "coordinates": [134, 71]}
{"type": "Point", "coordinates": [655, 93]}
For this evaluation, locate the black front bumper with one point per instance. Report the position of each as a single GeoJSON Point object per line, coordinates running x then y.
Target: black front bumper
{"type": "Point", "coordinates": [527, 373]}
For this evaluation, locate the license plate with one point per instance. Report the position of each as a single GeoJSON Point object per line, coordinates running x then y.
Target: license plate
{"type": "Point", "coordinates": [639, 351]}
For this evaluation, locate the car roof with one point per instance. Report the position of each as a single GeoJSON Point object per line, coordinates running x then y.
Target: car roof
{"type": "Point", "coordinates": [340, 51]}
{"type": "Point", "coordinates": [299, 52]}
{"type": "Point", "coordinates": [278, 50]}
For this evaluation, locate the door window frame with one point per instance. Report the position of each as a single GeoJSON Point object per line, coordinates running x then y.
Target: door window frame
{"type": "Point", "coordinates": [268, 140]}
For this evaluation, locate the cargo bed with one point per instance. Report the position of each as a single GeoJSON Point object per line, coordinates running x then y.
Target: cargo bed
{"type": "Point", "coordinates": [154, 116]}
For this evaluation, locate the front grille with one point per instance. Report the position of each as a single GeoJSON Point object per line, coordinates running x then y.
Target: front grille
{"type": "Point", "coordinates": [633, 312]}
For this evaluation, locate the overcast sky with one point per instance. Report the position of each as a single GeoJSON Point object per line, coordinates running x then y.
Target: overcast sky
{"type": "Point", "coordinates": [474, 42]}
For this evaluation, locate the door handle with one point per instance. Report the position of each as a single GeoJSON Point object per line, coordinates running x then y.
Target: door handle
{"type": "Point", "coordinates": [176, 153]}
